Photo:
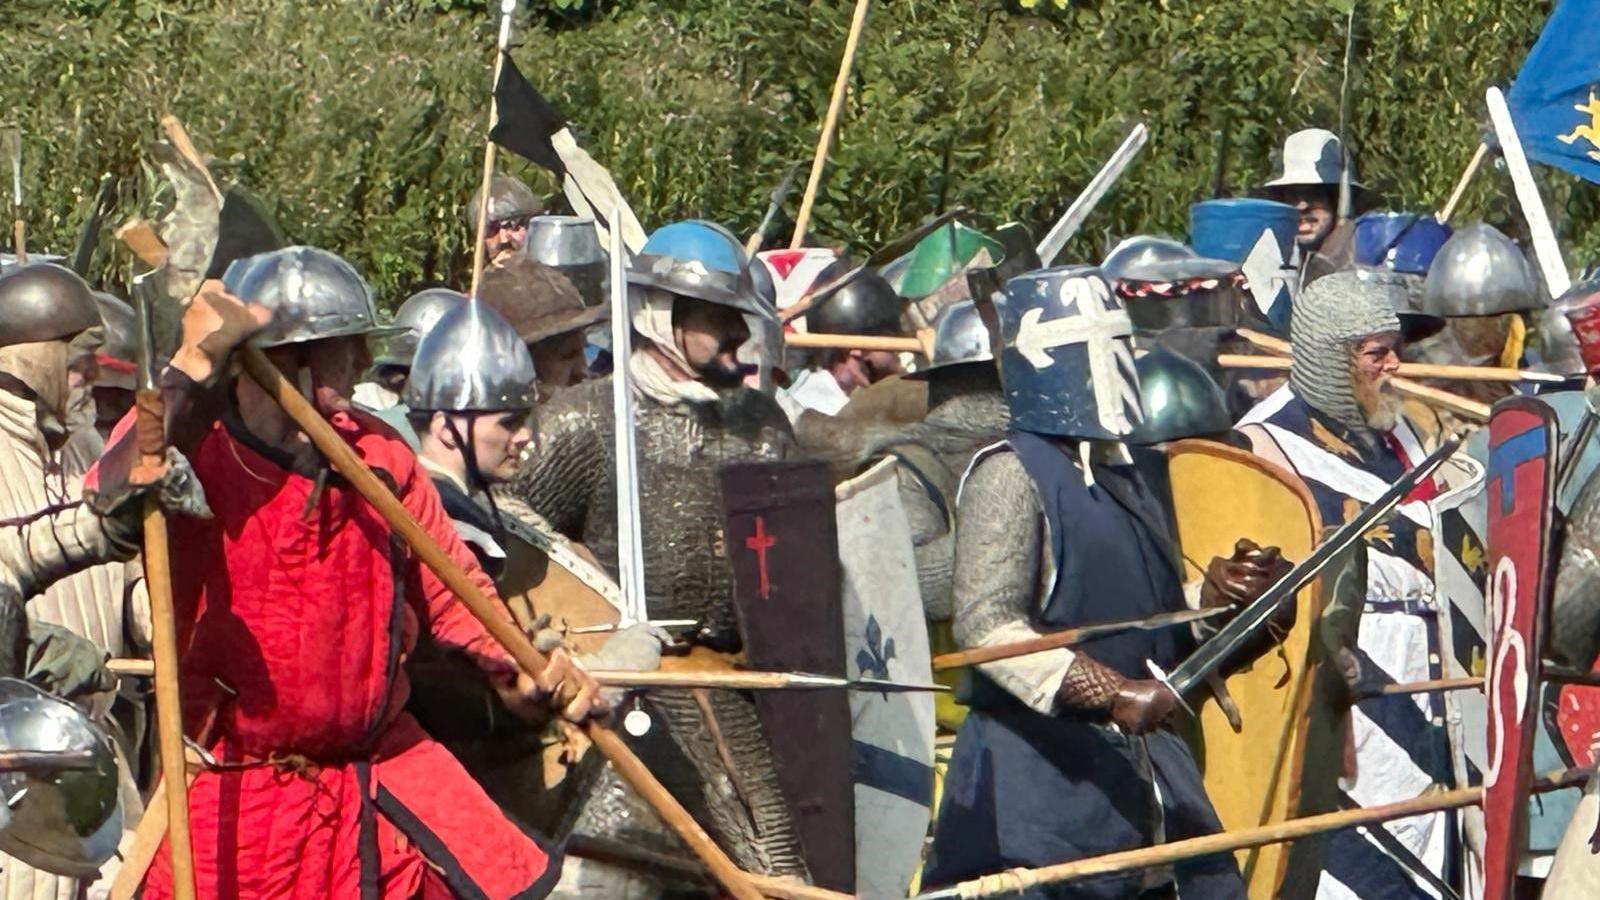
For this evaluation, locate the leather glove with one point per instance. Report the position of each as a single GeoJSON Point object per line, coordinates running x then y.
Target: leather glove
{"type": "Point", "coordinates": [1141, 705]}
{"type": "Point", "coordinates": [64, 664]}
{"type": "Point", "coordinates": [1243, 577]}
{"type": "Point", "coordinates": [636, 648]}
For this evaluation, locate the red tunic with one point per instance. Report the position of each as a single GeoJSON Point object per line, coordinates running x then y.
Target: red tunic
{"type": "Point", "coordinates": [305, 613]}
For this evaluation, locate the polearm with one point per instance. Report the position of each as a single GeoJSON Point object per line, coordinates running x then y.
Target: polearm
{"type": "Point", "coordinates": [507, 7]}
{"type": "Point", "coordinates": [12, 139]}
{"type": "Point", "coordinates": [505, 633]}
{"type": "Point", "coordinates": [830, 123]}
{"type": "Point", "coordinates": [774, 206]}
{"type": "Point", "coordinates": [1017, 880]}
{"type": "Point", "coordinates": [151, 436]}
{"type": "Point", "coordinates": [1067, 638]}
{"type": "Point", "coordinates": [1492, 374]}
{"type": "Point", "coordinates": [1073, 219]}
{"type": "Point", "coordinates": [1447, 211]}
{"type": "Point", "coordinates": [627, 855]}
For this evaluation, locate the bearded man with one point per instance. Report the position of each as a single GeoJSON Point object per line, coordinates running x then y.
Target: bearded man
{"type": "Point", "coordinates": [1339, 425]}
{"type": "Point", "coordinates": [690, 291]}
{"type": "Point", "coordinates": [512, 206]}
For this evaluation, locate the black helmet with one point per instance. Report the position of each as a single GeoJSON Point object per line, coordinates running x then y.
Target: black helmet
{"type": "Point", "coordinates": [867, 305]}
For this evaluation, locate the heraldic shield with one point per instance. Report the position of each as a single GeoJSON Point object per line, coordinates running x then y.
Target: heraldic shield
{"type": "Point", "coordinates": [1520, 490]}
{"type": "Point", "coordinates": [1253, 774]}
{"type": "Point", "coordinates": [885, 636]}
{"type": "Point", "coordinates": [783, 548]}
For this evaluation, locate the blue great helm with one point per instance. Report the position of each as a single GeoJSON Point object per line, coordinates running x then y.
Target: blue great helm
{"type": "Point", "coordinates": [1400, 242]}
{"type": "Point", "coordinates": [701, 260]}
{"type": "Point", "coordinates": [1067, 363]}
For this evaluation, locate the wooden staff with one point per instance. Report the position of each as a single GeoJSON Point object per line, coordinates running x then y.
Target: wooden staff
{"type": "Point", "coordinates": [1411, 370]}
{"type": "Point", "coordinates": [841, 86]}
{"type": "Point", "coordinates": [1444, 399]}
{"type": "Point", "coordinates": [1017, 880]}
{"type": "Point", "coordinates": [893, 343]}
{"type": "Point", "coordinates": [1449, 208]}
{"type": "Point", "coordinates": [1466, 682]}
{"type": "Point", "coordinates": [501, 628]}
{"type": "Point", "coordinates": [151, 437]}
{"type": "Point", "coordinates": [489, 148]}
{"type": "Point", "coordinates": [621, 853]}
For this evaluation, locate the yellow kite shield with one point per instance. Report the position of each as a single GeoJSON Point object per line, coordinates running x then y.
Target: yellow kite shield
{"type": "Point", "coordinates": [1219, 495]}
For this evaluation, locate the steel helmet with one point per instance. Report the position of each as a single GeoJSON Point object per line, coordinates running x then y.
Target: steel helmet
{"type": "Point", "coordinates": [1401, 242]}
{"type": "Point", "coordinates": [701, 260]}
{"type": "Point", "coordinates": [866, 305]}
{"type": "Point", "coordinates": [1166, 284]}
{"type": "Point", "coordinates": [60, 809]}
{"type": "Point", "coordinates": [959, 337]}
{"type": "Point", "coordinates": [1480, 272]}
{"type": "Point", "coordinates": [1153, 259]}
{"type": "Point", "coordinates": [509, 198]}
{"type": "Point", "coordinates": [312, 293]}
{"type": "Point", "coordinates": [415, 316]}
{"type": "Point", "coordinates": [571, 245]}
{"type": "Point", "coordinates": [44, 302]}
{"type": "Point", "coordinates": [471, 360]}
{"type": "Point", "coordinates": [1180, 400]}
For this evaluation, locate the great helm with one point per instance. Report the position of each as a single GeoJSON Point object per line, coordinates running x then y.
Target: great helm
{"type": "Point", "coordinates": [571, 245]}
{"type": "Point", "coordinates": [471, 360]}
{"type": "Point", "coordinates": [1480, 272]}
{"type": "Point", "coordinates": [1067, 358]}
{"type": "Point", "coordinates": [866, 305]}
{"type": "Point", "coordinates": [415, 316]}
{"type": "Point", "coordinates": [509, 198]}
{"type": "Point", "coordinates": [959, 337]}
{"type": "Point", "coordinates": [1179, 399]}
{"type": "Point", "coordinates": [312, 293]}
{"type": "Point", "coordinates": [44, 302]}
{"type": "Point", "coordinates": [701, 260]}
{"type": "Point", "coordinates": [59, 812]}
{"type": "Point", "coordinates": [1166, 284]}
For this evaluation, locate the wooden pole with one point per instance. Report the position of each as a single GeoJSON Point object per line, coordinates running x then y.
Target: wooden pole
{"type": "Point", "coordinates": [1017, 880]}
{"type": "Point", "coordinates": [489, 148]}
{"type": "Point", "coordinates": [1449, 208]}
{"type": "Point", "coordinates": [893, 344]}
{"type": "Point", "coordinates": [841, 86]}
{"type": "Point", "coordinates": [169, 715]}
{"type": "Point", "coordinates": [1066, 638]}
{"type": "Point", "coordinates": [1411, 370]}
{"type": "Point", "coordinates": [500, 627]}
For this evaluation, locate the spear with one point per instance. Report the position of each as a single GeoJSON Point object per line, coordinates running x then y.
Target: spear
{"type": "Point", "coordinates": [830, 122]}
{"type": "Point", "coordinates": [1069, 637]}
{"type": "Point", "coordinates": [779, 194]}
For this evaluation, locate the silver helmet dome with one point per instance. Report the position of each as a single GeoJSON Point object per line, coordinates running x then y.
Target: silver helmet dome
{"type": "Point", "coordinates": [471, 360]}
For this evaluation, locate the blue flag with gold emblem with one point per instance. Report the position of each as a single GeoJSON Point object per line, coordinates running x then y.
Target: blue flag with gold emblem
{"type": "Point", "coordinates": [1555, 100]}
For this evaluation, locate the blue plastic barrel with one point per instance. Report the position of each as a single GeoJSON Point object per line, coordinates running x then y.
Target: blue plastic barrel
{"type": "Point", "coordinates": [1229, 229]}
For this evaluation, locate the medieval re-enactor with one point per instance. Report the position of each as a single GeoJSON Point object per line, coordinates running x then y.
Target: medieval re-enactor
{"type": "Point", "coordinates": [297, 604]}
{"type": "Point", "coordinates": [1311, 167]}
{"type": "Point", "coordinates": [1064, 755]}
{"type": "Point", "coordinates": [548, 315]}
{"type": "Point", "coordinates": [689, 293]}
{"type": "Point", "coordinates": [391, 358]}
{"type": "Point", "coordinates": [50, 328]}
{"type": "Point", "coordinates": [1339, 426]}
{"type": "Point", "coordinates": [966, 411]}
{"type": "Point", "coordinates": [512, 206]}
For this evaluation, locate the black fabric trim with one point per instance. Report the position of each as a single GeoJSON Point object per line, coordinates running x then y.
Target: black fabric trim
{"type": "Point", "coordinates": [928, 487]}
{"type": "Point", "coordinates": [367, 846]}
{"type": "Point", "coordinates": [454, 875]}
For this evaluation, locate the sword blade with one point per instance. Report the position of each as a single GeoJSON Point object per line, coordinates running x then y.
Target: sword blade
{"type": "Point", "coordinates": [1211, 655]}
{"type": "Point", "coordinates": [1073, 218]}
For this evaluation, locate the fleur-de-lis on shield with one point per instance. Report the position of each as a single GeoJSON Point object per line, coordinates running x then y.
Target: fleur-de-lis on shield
{"type": "Point", "coordinates": [873, 659]}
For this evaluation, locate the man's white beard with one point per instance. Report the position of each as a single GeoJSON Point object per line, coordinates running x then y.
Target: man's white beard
{"type": "Point", "coordinates": [1386, 414]}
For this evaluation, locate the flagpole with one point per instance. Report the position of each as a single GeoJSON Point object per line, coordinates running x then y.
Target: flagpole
{"type": "Point", "coordinates": [1449, 209]}
{"type": "Point", "coordinates": [507, 7]}
{"type": "Point", "coordinates": [830, 122]}
{"type": "Point", "coordinates": [1545, 248]}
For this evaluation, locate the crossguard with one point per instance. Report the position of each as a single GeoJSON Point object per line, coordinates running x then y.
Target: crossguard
{"type": "Point", "coordinates": [1160, 675]}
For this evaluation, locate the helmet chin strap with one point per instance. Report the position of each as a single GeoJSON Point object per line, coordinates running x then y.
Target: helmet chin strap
{"type": "Point", "coordinates": [469, 456]}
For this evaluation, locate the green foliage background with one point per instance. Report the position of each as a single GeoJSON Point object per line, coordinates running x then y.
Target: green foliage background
{"type": "Point", "coordinates": [360, 121]}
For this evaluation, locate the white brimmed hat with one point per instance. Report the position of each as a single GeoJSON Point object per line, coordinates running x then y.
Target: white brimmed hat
{"type": "Point", "coordinates": [1312, 157]}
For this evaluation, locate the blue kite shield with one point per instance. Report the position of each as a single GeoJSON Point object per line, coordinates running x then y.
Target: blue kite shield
{"type": "Point", "coordinates": [1068, 359]}
{"type": "Point", "coordinates": [1555, 101]}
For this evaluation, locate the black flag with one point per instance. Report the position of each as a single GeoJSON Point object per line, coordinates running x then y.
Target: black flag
{"type": "Point", "coordinates": [524, 119]}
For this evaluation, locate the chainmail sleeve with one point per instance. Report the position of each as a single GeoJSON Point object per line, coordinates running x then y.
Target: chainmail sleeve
{"type": "Point", "coordinates": [933, 544]}
{"type": "Point", "coordinates": [999, 569]}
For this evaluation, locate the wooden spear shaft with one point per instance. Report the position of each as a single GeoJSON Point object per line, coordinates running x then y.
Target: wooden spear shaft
{"type": "Point", "coordinates": [1409, 370]}
{"type": "Point", "coordinates": [892, 343]}
{"type": "Point", "coordinates": [489, 148]}
{"type": "Point", "coordinates": [624, 854]}
{"type": "Point", "coordinates": [1449, 208]}
{"type": "Point", "coordinates": [501, 628]}
{"type": "Point", "coordinates": [841, 86]}
{"type": "Point", "coordinates": [1226, 842]}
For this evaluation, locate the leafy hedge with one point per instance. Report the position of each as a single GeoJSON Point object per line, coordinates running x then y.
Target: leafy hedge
{"type": "Point", "coordinates": [360, 120]}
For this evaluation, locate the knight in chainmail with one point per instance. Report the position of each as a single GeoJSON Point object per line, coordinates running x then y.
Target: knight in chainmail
{"type": "Point", "coordinates": [1338, 425]}
{"type": "Point", "coordinates": [689, 293]}
{"type": "Point", "coordinates": [1065, 753]}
